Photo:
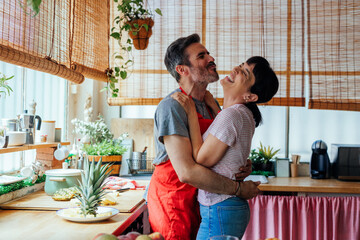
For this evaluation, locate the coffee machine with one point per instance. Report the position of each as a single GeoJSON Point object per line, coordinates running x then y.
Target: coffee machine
{"type": "Point", "coordinates": [320, 167]}
{"type": "Point", "coordinates": [27, 124]}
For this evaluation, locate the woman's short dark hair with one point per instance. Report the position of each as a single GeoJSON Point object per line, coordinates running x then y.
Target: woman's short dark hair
{"type": "Point", "coordinates": [175, 54]}
{"type": "Point", "coordinates": [265, 87]}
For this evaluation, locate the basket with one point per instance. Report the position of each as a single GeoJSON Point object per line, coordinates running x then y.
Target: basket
{"type": "Point", "coordinates": [137, 166]}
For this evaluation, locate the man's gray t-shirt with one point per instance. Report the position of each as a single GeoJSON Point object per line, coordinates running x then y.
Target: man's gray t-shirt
{"type": "Point", "coordinates": [170, 119]}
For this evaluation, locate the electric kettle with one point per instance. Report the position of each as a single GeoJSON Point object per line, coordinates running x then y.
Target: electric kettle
{"type": "Point", "coordinates": [320, 167]}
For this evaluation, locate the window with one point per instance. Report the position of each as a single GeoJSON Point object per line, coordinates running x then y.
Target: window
{"type": "Point", "coordinates": [49, 93]}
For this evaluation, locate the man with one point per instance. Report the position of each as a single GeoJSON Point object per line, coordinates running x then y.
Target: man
{"type": "Point", "coordinates": [172, 203]}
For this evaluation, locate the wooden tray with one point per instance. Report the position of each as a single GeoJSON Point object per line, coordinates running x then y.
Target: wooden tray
{"type": "Point", "coordinates": [127, 202]}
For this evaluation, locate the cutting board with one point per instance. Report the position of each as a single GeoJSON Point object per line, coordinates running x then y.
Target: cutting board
{"type": "Point", "coordinates": [126, 202]}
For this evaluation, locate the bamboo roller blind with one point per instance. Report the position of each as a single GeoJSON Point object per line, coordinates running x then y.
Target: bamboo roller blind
{"type": "Point", "coordinates": [68, 38]}
{"type": "Point", "coordinates": [232, 31]}
{"type": "Point", "coordinates": [333, 54]}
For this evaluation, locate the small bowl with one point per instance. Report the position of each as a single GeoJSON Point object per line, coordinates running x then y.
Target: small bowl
{"type": "Point", "coordinates": [16, 138]}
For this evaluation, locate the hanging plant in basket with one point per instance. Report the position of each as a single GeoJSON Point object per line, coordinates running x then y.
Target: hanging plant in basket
{"type": "Point", "coordinates": [136, 21]}
{"type": "Point", "coordinates": [141, 31]}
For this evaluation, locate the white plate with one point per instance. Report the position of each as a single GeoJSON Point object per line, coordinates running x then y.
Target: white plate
{"type": "Point", "coordinates": [256, 178]}
{"type": "Point", "coordinates": [100, 210]}
{"type": "Point", "coordinates": [4, 179]}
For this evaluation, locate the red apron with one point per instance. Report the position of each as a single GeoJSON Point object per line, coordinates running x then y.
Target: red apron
{"type": "Point", "coordinates": [173, 207]}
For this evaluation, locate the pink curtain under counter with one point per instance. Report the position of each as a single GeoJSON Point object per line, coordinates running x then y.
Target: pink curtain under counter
{"type": "Point", "coordinates": [304, 218]}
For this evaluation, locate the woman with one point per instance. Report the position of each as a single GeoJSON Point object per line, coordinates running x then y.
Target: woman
{"type": "Point", "coordinates": [227, 142]}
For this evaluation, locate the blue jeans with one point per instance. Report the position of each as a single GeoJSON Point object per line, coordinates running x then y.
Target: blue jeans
{"type": "Point", "coordinates": [229, 217]}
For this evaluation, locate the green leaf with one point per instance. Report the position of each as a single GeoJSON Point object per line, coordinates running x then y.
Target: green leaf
{"type": "Point", "coordinates": [35, 5]}
{"type": "Point", "coordinates": [146, 26]}
{"type": "Point", "coordinates": [115, 35]}
{"type": "Point", "coordinates": [123, 74]}
{"type": "Point", "coordinates": [127, 27]}
{"type": "Point", "coordinates": [117, 69]}
{"type": "Point", "coordinates": [158, 11]}
{"type": "Point", "coordinates": [114, 80]}
{"type": "Point", "coordinates": [136, 25]}
{"type": "Point", "coordinates": [129, 48]}
{"type": "Point", "coordinates": [114, 95]}
{"type": "Point", "coordinates": [134, 33]}
{"type": "Point", "coordinates": [119, 57]}
{"type": "Point", "coordinates": [104, 89]}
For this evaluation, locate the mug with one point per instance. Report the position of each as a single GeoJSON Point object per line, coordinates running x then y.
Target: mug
{"type": "Point", "coordinates": [27, 172]}
{"type": "Point", "coordinates": [61, 152]}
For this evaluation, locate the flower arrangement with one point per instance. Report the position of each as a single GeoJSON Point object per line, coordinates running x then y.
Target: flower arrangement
{"type": "Point", "coordinates": [97, 131]}
{"type": "Point", "coordinates": [101, 142]}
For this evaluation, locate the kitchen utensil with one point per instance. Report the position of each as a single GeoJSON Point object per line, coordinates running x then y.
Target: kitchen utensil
{"type": "Point", "coordinates": [136, 159]}
{"type": "Point", "coordinates": [61, 178]}
{"type": "Point", "coordinates": [27, 124]}
{"type": "Point", "coordinates": [16, 138]}
{"type": "Point", "coordinates": [320, 163]}
{"type": "Point", "coordinates": [295, 158]}
{"type": "Point", "coordinates": [123, 190]}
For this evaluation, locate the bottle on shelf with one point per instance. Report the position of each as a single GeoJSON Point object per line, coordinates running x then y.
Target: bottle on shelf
{"type": "Point", "coordinates": [74, 153]}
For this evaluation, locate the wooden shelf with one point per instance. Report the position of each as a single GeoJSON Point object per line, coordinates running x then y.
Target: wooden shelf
{"type": "Point", "coordinates": [31, 147]}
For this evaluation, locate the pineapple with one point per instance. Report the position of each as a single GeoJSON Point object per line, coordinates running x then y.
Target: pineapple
{"type": "Point", "coordinates": [91, 188]}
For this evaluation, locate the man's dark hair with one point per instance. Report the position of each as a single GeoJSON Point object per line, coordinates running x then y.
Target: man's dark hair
{"type": "Point", "coordinates": [175, 54]}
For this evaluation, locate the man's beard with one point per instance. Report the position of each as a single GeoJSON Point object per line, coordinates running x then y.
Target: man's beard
{"type": "Point", "coordinates": [203, 75]}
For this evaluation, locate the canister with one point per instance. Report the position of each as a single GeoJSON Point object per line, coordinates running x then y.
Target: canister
{"type": "Point", "coordinates": [47, 128]}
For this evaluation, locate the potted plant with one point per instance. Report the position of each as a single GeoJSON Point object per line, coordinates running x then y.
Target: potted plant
{"type": "Point", "coordinates": [4, 87]}
{"type": "Point", "coordinates": [109, 151]}
{"type": "Point", "coordinates": [261, 159]}
{"type": "Point", "coordinates": [137, 21]}
{"type": "Point", "coordinates": [100, 143]}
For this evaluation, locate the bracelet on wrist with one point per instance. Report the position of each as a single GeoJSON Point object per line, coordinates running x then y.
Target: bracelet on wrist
{"type": "Point", "coordinates": [238, 188]}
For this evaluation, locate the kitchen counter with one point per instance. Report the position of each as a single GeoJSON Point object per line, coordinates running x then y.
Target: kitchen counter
{"type": "Point", "coordinates": [17, 222]}
{"type": "Point", "coordinates": [309, 185]}
{"type": "Point", "coordinates": [34, 224]}
{"type": "Point", "coordinates": [41, 224]}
